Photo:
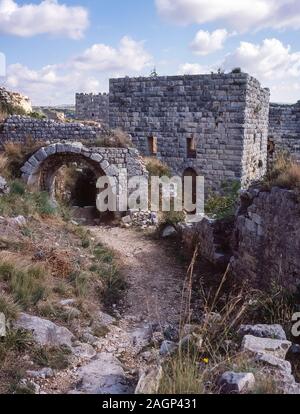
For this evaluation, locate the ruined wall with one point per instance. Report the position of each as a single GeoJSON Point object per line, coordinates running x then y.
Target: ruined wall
{"type": "Point", "coordinates": [266, 241]}
{"type": "Point", "coordinates": [92, 107]}
{"type": "Point", "coordinates": [284, 128]}
{"type": "Point", "coordinates": [14, 100]}
{"type": "Point", "coordinates": [255, 153]}
{"type": "Point", "coordinates": [211, 109]}
{"type": "Point", "coordinates": [20, 128]}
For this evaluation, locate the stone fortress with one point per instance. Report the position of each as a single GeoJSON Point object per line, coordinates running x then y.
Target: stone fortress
{"type": "Point", "coordinates": [221, 126]}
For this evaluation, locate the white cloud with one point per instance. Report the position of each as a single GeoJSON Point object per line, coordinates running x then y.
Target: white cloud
{"type": "Point", "coordinates": [192, 69]}
{"type": "Point", "coordinates": [205, 42]}
{"type": "Point", "coordinates": [273, 63]}
{"type": "Point", "coordinates": [239, 14]}
{"type": "Point", "coordinates": [47, 17]}
{"type": "Point", "coordinates": [88, 72]}
{"type": "Point", "coordinates": [130, 55]}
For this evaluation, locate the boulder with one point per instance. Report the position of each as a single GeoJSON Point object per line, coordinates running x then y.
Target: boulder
{"type": "Point", "coordinates": [235, 383]}
{"type": "Point", "coordinates": [103, 375]}
{"type": "Point", "coordinates": [44, 331]}
{"type": "Point", "coordinates": [256, 345]}
{"type": "Point", "coordinates": [274, 362]}
{"type": "Point", "coordinates": [168, 231]}
{"type": "Point", "coordinates": [263, 331]}
{"type": "Point", "coordinates": [84, 351]}
{"type": "Point", "coordinates": [149, 381]}
{"type": "Point", "coordinates": [2, 325]}
{"type": "Point", "coordinates": [103, 319]}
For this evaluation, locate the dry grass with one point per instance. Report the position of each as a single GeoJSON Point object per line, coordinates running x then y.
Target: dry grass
{"type": "Point", "coordinates": [156, 168]}
{"type": "Point", "coordinates": [284, 173]}
{"type": "Point", "coordinates": [17, 154]}
{"type": "Point", "coordinates": [26, 282]}
{"type": "Point", "coordinates": [113, 139]}
{"type": "Point", "coordinates": [3, 164]}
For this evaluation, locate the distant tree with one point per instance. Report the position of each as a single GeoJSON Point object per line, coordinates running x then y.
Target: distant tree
{"type": "Point", "coordinates": [153, 73]}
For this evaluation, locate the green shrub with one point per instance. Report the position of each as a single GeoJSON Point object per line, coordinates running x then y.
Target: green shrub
{"type": "Point", "coordinates": [55, 357]}
{"type": "Point", "coordinates": [8, 306]}
{"type": "Point", "coordinates": [26, 283]}
{"type": "Point", "coordinates": [223, 205]}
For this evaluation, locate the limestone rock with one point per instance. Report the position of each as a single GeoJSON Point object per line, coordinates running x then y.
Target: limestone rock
{"type": "Point", "coordinates": [84, 351]}
{"type": "Point", "coordinates": [273, 361]}
{"type": "Point", "coordinates": [42, 374]}
{"type": "Point", "coordinates": [103, 375]}
{"type": "Point", "coordinates": [44, 331]}
{"type": "Point", "coordinates": [257, 345]}
{"type": "Point", "coordinates": [168, 348]}
{"type": "Point", "coordinates": [2, 325]}
{"type": "Point", "coordinates": [263, 331]}
{"type": "Point", "coordinates": [169, 231]}
{"type": "Point", "coordinates": [149, 381]}
{"type": "Point", "coordinates": [233, 383]}
{"type": "Point", "coordinates": [103, 319]}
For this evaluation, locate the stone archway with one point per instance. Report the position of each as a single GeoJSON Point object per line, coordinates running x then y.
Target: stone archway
{"type": "Point", "coordinates": [41, 168]}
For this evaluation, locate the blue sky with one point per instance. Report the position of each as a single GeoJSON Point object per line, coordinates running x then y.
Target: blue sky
{"type": "Point", "coordinates": [54, 48]}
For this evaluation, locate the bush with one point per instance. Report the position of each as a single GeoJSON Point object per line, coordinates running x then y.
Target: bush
{"type": "Point", "coordinates": [113, 139]}
{"type": "Point", "coordinates": [26, 283]}
{"type": "Point", "coordinates": [223, 205]}
{"type": "Point", "coordinates": [9, 307]}
{"type": "Point", "coordinates": [157, 168]}
{"type": "Point", "coordinates": [17, 154]}
{"type": "Point", "coordinates": [284, 172]}
{"type": "Point", "coordinates": [20, 201]}
{"type": "Point", "coordinates": [55, 358]}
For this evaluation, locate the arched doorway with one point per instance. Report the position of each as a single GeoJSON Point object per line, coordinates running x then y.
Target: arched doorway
{"type": "Point", "coordinates": [70, 172]}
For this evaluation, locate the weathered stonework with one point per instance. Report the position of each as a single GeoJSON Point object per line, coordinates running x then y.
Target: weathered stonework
{"type": "Point", "coordinates": [284, 129]}
{"type": "Point", "coordinates": [266, 241]}
{"type": "Point", "coordinates": [19, 128]}
{"type": "Point", "coordinates": [92, 107]}
{"type": "Point", "coordinates": [40, 169]}
{"type": "Point", "coordinates": [15, 100]}
{"type": "Point", "coordinates": [225, 114]}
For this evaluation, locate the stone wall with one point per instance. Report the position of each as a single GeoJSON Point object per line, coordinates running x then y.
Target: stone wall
{"type": "Point", "coordinates": [255, 152]}
{"type": "Point", "coordinates": [92, 107]}
{"type": "Point", "coordinates": [15, 100]}
{"type": "Point", "coordinates": [266, 240]}
{"type": "Point", "coordinates": [222, 113]}
{"type": "Point", "coordinates": [212, 238]}
{"type": "Point", "coordinates": [19, 128]}
{"type": "Point", "coordinates": [284, 128]}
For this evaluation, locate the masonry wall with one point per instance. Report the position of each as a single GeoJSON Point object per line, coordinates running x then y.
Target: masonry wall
{"type": "Point", "coordinates": [284, 128]}
{"type": "Point", "coordinates": [92, 107]}
{"type": "Point", "coordinates": [212, 109]}
{"type": "Point", "coordinates": [255, 150]}
{"type": "Point", "coordinates": [20, 128]}
{"type": "Point", "coordinates": [266, 240]}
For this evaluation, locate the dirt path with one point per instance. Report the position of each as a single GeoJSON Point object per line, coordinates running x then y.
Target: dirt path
{"type": "Point", "coordinates": [154, 276]}
{"type": "Point", "coordinates": [152, 302]}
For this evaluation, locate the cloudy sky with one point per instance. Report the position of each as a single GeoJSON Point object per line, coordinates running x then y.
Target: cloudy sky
{"type": "Point", "coordinates": [54, 48]}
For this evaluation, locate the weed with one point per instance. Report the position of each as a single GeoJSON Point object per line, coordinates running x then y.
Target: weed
{"type": "Point", "coordinates": [55, 357]}
{"type": "Point", "coordinates": [9, 307]}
